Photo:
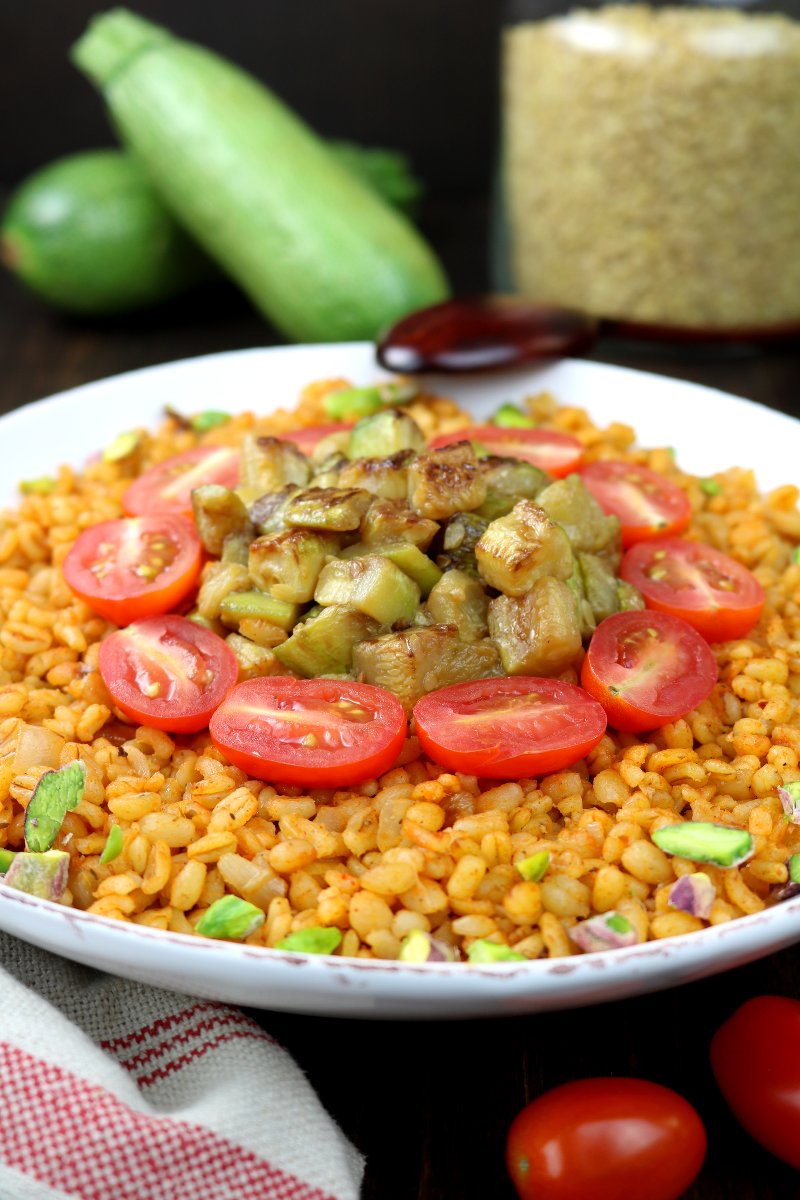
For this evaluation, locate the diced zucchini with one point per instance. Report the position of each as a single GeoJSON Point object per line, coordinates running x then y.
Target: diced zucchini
{"type": "Point", "coordinates": [326, 473]}
{"type": "Point", "coordinates": [238, 605]}
{"type": "Point", "coordinates": [417, 661]}
{"type": "Point", "coordinates": [446, 481]}
{"type": "Point", "coordinates": [538, 633]}
{"type": "Point", "coordinates": [384, 433]}
{"type": "Point", "coordinates": [459, 599]}
{"type": "Point", "coordinates": [522, 547]}
{"type": "Point", "coordinates": [219, 513]}
{"type": "Point", "coordinates": [334, 509]}
{"type": "Point", "coordinates": [507, 481]}
{"type": "Point", "coordinates": [324, 644]}
{"type": "Point", "coordinates": [236, 548]}
{"type": "Point", "coordinates": [406, 556]}
{"type": "Point", "coordinates": [600, 585]}
{"type": "Point", "coordinates": [253, 659]}
{"type": "Point", "coordinates": [268, 512]}
{"type": "Point", "coordinates": [461, 535]}
{"type": "Point", "coordinates": [586, 618]}
{"type": "Point", "coordinates": [629, 597]}
{"type": "Point", "coordinates": [287, 565]}
{"type": "Point", "coordinates": [373, 585]}
{"type": "Point", "coordinates": [219, 580]}
{"type": "Point", "coordinates": [263, 633]}
{"type": "Point", "coordinates": [269, 463]}
{"type": "Point", "coordinates": [575, 509]}
{"type": "Point", "coordinates": [386, 477]}
{"type": "Point", "coordinates": [391, 521]}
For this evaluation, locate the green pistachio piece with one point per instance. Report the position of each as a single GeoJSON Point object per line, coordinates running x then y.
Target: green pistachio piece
{"type": "Point", "coordinates": [314, 940]}
{"type": "Point", "coordinates": [710, 487]}
{"type": "Point", "coordinates": [230, 918]}
{"type": "Point", "coordinates": [113, 846]}
{"type": "Point", "coordinates": [43, 875]}
{"type": "Point", "coordinates": [705, 841]}
{"type": "Point", "coordinates": [510, 416]}
{"type": "Point", "coordinates": [56, 794]}
{"type": "Point", "coordinates": [363, 402]}
{"type": "Point", "coordinates": [6, 859]}
{"type": "Point", "coordinates": [618, 923]}
{"type": "Point", "coordinates": [122, 445]}
{"type": "Point", "coordinates": [793, 865]}
{"type": "Point", "coordinates": [533, 868]}
{"type": "Point", "coordinates": [416, 947]}
{"type": "Point", "coordinates": [796, 556]}
{"type": "Point", "coordinates": [212, 418]}
{"type": "Point", "coordinates": [483, 951]}
{"type": "Point", "coordinates": [37, 487]}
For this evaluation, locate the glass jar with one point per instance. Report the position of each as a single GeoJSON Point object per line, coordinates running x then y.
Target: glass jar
{"type": "Point", "coordinates": [651, 165]}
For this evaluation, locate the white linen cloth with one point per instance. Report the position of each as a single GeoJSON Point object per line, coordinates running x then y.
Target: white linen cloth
{"type": "Point", "coordinates": [111, 1090]}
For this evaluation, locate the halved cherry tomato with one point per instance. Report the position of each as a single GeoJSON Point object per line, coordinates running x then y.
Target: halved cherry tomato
{"type": "Point", "coordinates": [311, 732]}
{"type": "Point", "coordinates": [606, 1139]}
{"type": "Point", "coordinates": [713, 592]}
{"type": "Point", "coordinates": [556, 453]}
{"type": "Point", "coordinates": [167, 487]}
{"type": "Point", "coordinates": [307, 439]}
{"type": "Point", "coordinates": [167, 672]}
{"type": "Point", "coordinates": [134, 567]}
{"type": "Point", "coordinates": [647, 668]}
{"type": "Point", "coordinates": [648, 504]}
{"type": "Point", "coordinates": [755, 1057]}
{"type": "Point", "coordinates": [508, 728]}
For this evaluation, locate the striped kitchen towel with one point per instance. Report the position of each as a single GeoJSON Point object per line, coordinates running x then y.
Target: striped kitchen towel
{"type": "Point", "coordinates": [111, 1090]}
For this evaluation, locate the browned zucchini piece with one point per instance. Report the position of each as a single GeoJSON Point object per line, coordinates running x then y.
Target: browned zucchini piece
{"type": "Point", "coordinates": [384, 433]}
{"type": "Point", "coordinates": [459, 599]}
{"type": "Point", "coordinates": [268, 512]}
{"type": "Point", "coordinates": [373, 585]}
{"type": "Point", "coordinates": [522, 547]}
{"type": "Point", "coordinates": [219, 513]}
{"type": "Point", "coordinates": [337, 510]}
{"type": "Point", "coordinates": [416, 661]}
{"type": "Point", "coordinates": [268, 464]}
{"type": "Point", "coordinates": [446, 481]}
{"type": "Point", "coordinates": [392, 521]}
{"type": "Point", "coordinates": [538, 633]}
{"type": "Point", "coordinates": [575, 509]}
{"type": "Point", "coordinates": [253, 659]}
{"type": "Point", "coordinates": [386, 477]}
{"type": "Point", "coordinates": [288, 564]}
{"type": "Point", "coordinates": [507, 481]}
{"type": "Point", "coordinates": [324, 644]}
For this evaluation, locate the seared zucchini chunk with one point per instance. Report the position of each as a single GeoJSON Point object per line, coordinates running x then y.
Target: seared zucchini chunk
{"type": "Point", "coordinates": [459, 599]}
{"type": "Point", "coordinates": [268, 512]}
{"type": "Point", "coordinates": [218, 580]}
{"type": "Point", "coordinates": [219, 512]}
{"type": "Point", "coordinates": [386, 477]}
{"type": "Point", "coordinates": [507, 481]}
{"type": "Point", "coordinates": [406, 556]}
{"type": "Point", "coordinates": [335, 509]}
{"type": "Point", "coordinates": [384, 434]}
{"type": "Point", "coordinates": [323, 645]}
{"type": "Point", "coordinates": [239, 606]}
{"type": "Point", "coordinates": [522, 547]}
{"type": "Point", "coordinates": [269, 463]}
{"type": "Point", "coordinates": [586, 618]}
{"type": "Point", "coordinates": [575, 509]}
{"type": "Point", "coordinates": [288, 564]}
{"type": "Point", "coordinates": [373, 585]}
{"type": "Point", "coordinates": [416, 661]}
{"type": "Point", "coordinates": [253, 660]}
{"type": "Point", "coordinates": [461, 535]}
{"type": "Point", "coordinates": [391, 521]}
{"type": "Point", "coordinates": [446, 481]}
{"type": "Point", "coordinates": [600, 586]}
{"type": "Point", "coordinates": [628, 596]}
{"type": "Point", "coordinates": [236, 548]}
{"type": "Point", "coordinates": [538, 633]}
{"type": "Point", "coordinates": [326, 474]}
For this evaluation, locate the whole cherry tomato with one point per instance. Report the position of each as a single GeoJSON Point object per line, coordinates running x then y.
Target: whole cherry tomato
{"type": "Point", "coordinates": [606, 1139]}
{"type": "Point", "coordinates": [755, 1057]}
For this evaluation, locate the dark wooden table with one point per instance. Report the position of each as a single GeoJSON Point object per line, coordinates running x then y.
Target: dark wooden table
{"type": "Point", "coordinates": [429, 1103]}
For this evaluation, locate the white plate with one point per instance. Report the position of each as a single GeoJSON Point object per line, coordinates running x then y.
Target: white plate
{"type": "Point", "coordinates": [710, 429]}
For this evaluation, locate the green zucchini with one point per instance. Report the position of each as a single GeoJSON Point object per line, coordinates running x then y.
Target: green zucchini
{"type": "Point", "coordinates": [315, 249]}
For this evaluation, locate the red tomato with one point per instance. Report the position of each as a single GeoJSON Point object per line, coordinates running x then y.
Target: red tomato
{"type": "Point", "coordinates": [135, 567]}
{"type": "Point", "coordinates": [648, 504]}
{"type": "Point", "coordinates": [306, 439]}
{"type": "Point", "coordinates": [647, 668]}
{"type": "Point", "coordinates": [167, 672]}
{"type": "Point", "coordinates": [311, 732]}
{"type": "Point", "coordinates": [755, 1057]}
{"type": "Point", "coordinates": [606, 1139]}
{"type": "Point", "coordinates": [510, 728]}
{"type": "Point", "coordinates": [167, 487]}
{"type": "Point", "coordinates": [556, 453]}
{"type": "Point", "coordinates": [720, 597]}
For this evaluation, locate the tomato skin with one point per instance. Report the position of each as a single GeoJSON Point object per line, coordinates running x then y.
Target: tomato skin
{"type": "Point", "coordinates": [687, 588]}
{"type": "Point", "coordinates": [471, 727]}
{"type": "Point", "coordinates": [306, 439]}
{"type": "Point", "coordinates": [648, 504]}
{"type": "Point", "coordinates": [556, 453]}
{"type": "Point", "coordinates": [606, 1139]}
{"type": "Point", "coordinates": [647, 668]}
{"type": "Point", "coordinates": [262, 724]}
{"type": "Point", "coordinates": [755, 1057]}
{"type": "Point", "coordinates": [110, 566]}
{"type": "Point", "coordinates": [167, 487]}
{"type": "Point", "coordinates": [192, 667]}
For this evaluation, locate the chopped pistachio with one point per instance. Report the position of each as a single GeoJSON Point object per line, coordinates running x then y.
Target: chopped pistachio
{"type": "Point", "coordinates": [510, 416]}
{"type": "Point", "coordinates": [212, 418]}
{"type": "Point", "coordinates": [6, 859]}
{"type": "Point", "coordinates": [789, 797]}
{"type": "Point", "coordinates": [484, 951]}
{"type": "Point", "coordinates": [794, 868]}
{"type": "Point", "coordinates": [363, 402]}
{"type": "Point", "coordinates": [122, 445]}
{"type": "Point", "coordinates": [706, 841]}
{"type": "Point", "coordinates": [419, 947]}
{"type": "Point", "coordinates": [230, 918]}
{"type": "Point", "coordinates": [796, 556]}
{"type": "Point", "coordinates": [609, 931]}
{"type": "Point", "coordinates": [43, 875]}
{"type": "Point", "coordinates": [710, 486]}
{"type": "Point", "coordinates": [56, 794]}
{"type": "Point", "coordinates": [533, 868]}
{"type": "Point", "coordinates": [113, 846]}
{"type": "Point", "coordinates": [694, 894]}
{"type": "Point", "coordinates": [37, 487]}
{"type": "Point", "coordinates": [314, 940]}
